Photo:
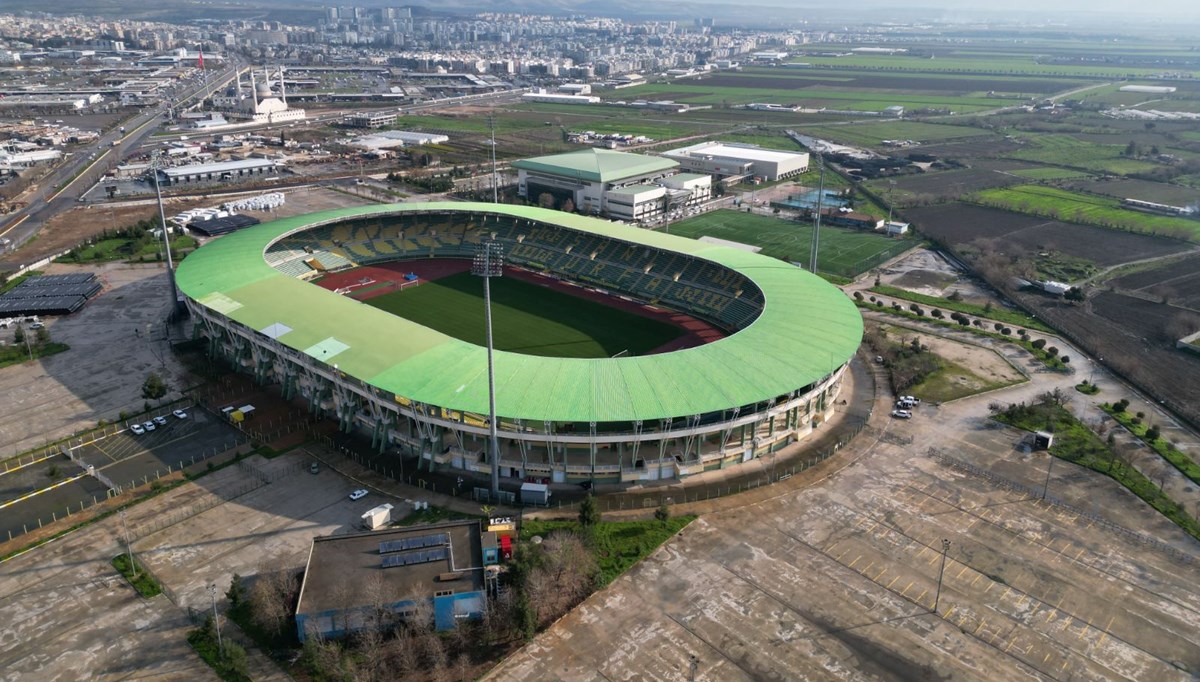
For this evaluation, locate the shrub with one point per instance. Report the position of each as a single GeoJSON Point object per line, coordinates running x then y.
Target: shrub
{"type": "Point", "coordinates": [1152, 434]}
{"type": "Point", "coordinates": [1038, 343]}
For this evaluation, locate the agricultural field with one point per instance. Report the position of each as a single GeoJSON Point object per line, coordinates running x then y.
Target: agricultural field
{"type": "Point", "coordinates": [1176, 281]}
{"type": "Point", "coordinates": [964, 225]}
{"type": "Point", "coordinates": [1144, 190]}
{"type": "Point", "coordinates": [1050, 173]}
{"type": "Point", "coordinates": [527, 318]}
{"type": "Point", "coordinates": [1055, 203]}
{"type": "Point", "coordinates": [921, 188]}
{"type": "Point", "coordinates": [884, 81]}
{"type": "Point", "coordinates": [950, 61]}
{"type": "Point", "coordinates": [1071, 152]}
{"type": "Point", "coordinates": [844, 252]}
{"type": "Point", "coordinates": [872, 134]}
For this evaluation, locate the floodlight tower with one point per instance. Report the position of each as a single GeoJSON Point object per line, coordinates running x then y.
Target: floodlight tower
{"type": "Point", "coordinates": [495, 178]}
{"type": "Point", "coordinates": [816, 237]}
{"type": "Point", "coordinates": [157, 164]}
{"type": "Point", "coordinates": [489, 263]}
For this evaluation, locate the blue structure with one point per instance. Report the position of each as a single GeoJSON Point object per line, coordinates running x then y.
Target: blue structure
{"type": "Point", "coordinates": [808, 200]}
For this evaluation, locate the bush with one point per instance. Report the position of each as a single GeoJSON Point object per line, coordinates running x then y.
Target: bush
{"type": "Point", "coordinates": [1038, 343]}
{"type": "Point", "coordinates": [1152, 434]}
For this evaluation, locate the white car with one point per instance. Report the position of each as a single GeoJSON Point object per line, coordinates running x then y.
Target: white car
{"type": "Point", "coordinates": [136, 429]}
{"type": "Point", "coordinates": [358, 494]}
{"type": "Point", "coordinates": [180, 414]}
{"type": "Point", "coordinates": [911, 399]}
{"type": "Point", "coordinates": [160, 420]}
{"type": "Point", "coordinates": [149, 426]}
{"type": "Point", "coordinates": [902, 414]}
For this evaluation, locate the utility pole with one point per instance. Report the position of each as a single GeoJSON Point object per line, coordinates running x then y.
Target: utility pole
{"type": "Point", "coordinates": [489, 263]}
{"type": "Point", "coordinates": [212, 591]}
{"type": "Point", "coordinates": [816, 237]}
{"type": "Point", "coordinates": [157, 164]}
{"type": "Point", "coordinates": [128, 545]}
{"type": "Point", "coordinates": [495, 178]}
{"type": "Point", "coordinates": [941, 572]}
{"type": "Point", "coordinates": [1049, 466]}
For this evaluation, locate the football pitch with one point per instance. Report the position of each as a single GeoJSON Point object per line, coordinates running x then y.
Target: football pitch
{"type": "Point", "coordinates": [527, 318]}
{"type": "Point", "coordinates": [844, 252]}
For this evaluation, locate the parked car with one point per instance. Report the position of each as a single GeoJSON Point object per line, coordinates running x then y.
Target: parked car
{"type": "Point", "coordinates": [149, 426]}
{"type": "Point", "coordinates": [136, 429]}
{"type": "Point", "coordinates": [160, 420]}
{"type": "Point", "coordinates": [179, 414]}
{"type": "Point", "coordinates": [911, 398]}
{"type": "Point", "coordinates": [902, 414]}
{"type": "Point", "coordinates": [358, 494]}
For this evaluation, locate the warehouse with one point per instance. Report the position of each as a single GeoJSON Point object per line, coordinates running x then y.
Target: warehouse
{"type": "Point", "coordinates": [597, 181]}
{"type": "Point", "coordinates": [215, 172]}
{"type": "Point", "coordinates": [727, 159]}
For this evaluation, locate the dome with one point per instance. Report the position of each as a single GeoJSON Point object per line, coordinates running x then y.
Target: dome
{"type": "Point", "coordinates": [263, 89]}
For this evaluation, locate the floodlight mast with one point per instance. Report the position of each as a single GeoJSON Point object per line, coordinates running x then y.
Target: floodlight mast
{"type": "Point", "coordinates": [489, 263]}
{"type": "Point", "coordinates": [815, 248]}
{"type": "Point", "coordinates": [156, 165]}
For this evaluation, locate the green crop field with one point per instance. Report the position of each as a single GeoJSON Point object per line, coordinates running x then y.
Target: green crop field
{"type": "Point", "coordinates": [1013, 65]}
{"type": "Point", "coordinates": [1049, 173]}
{"type": "Point", "coordinates": [843, 252]}
{"type": "Point", "coordinates": [1064, 150]}
{"type": "Point", "coordinates": [527, 318]}
{"type": "Point", "coordinates": [1085, 208]}
{"type": "Point", "coordinates": [851, 99]}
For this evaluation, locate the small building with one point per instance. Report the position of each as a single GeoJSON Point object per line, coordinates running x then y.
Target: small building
{"type": "Point", "coordinates": [845, 217]}
{"type": "Point", "coordinates": [588, 177]}
{"type": "Point", "coordinates": [727, 159]}
{"type": "Point", "coordinates": [1055, 288]}
{"type": "Point", "coordinates": [391, 139]}
{"type": "Point", "coordinates": [557, 98]}
{"type": "Point", "coordinates": [351, 580]}
{"type": "Point", "coordinates": [895, 229]}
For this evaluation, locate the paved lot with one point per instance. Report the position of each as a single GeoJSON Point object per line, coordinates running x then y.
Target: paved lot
{"type": "Point", "coordinates": [116, 340]}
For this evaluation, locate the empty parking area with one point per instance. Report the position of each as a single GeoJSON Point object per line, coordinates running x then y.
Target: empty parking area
{"type": "Point", "coordinates": [841, 582]}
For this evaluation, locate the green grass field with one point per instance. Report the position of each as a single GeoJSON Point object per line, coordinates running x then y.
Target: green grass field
{"type": "Point", "coordinates": [850, 99]}
{"type": "Point", "coordinates": [1050, 173]}
{"type": "Point", "coordinates": [1085, 208]}
{"type": "Point", "coordinates": [527, 318]}
{"type": "Point", "coordinates": [1064, 150]}
{"type": "Point", "coordinates": [872, 134]}
{"type": "Point", "coordinates": [843, 252]}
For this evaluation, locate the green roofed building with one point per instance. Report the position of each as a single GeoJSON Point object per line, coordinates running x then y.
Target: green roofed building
{"type": "Point", "coordinates": [603, 181]}
{"type": "Point", "coordinates": [770, 372]}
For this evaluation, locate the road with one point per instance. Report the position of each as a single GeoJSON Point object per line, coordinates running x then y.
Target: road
{"type": "Point", "coordinates": [63, 187]}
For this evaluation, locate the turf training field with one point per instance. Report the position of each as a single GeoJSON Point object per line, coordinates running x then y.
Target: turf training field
{"type": "Point", "coordinates": [844, 252]}
{"type": "Point", "coordinates": [527, 318]}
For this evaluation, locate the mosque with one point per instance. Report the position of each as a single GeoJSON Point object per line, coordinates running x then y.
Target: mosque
{"type": "Point", "coordinates": [262, 106]}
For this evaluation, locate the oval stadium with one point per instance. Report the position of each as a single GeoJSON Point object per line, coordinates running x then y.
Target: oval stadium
{"type": "Point", "coordinates": [621, 354]}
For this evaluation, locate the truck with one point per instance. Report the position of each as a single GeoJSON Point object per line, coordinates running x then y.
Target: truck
{"type": "Point", "coordinates": [535, 493]}
{"type": "Point", "coordinates": [377, 518]}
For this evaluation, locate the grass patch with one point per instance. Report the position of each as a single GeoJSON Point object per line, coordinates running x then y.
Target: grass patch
{"type": "Point", "coordinates": [1087, 388]}
{"type": "Point", "coordinates": [952, 381]}
{"type": "Point", "coordinates": [844, 252]}
{"type": "Point", "coordinates": [873, 134]}
{"type": "Point", "coordinates": [1064, 150]}
{"type": "Point", "coordinates": [231, 664]}
{"type": "Point", "coordinates": [139, 579]}
{"type": "Point", "coordinates": [1060, 204]}
{"type": "Point", "coordinates": [126, 248]}
{"type": "Point", "coordinates": [1164, 448]}
{"type": "Point", "coordinates": [999, 314]}
{"type": "Point", "coordinates": [1075, 443]}
{"type": "Point", "coordinates": [16, 354]}
{"type": "Point", "coordinates": [434, 515]}
{"type": "Point", "coordinates": [1050, 173]}
{"type": "Point", "coordinates": [617, 545]}
{"type": "Point", "coordinates": [16, 281]}
{"type": "Point", "coordinates": [527, 318]}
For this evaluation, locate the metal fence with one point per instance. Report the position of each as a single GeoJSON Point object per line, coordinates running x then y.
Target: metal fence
{"type": "Point", "coordinates": [1007, 484]}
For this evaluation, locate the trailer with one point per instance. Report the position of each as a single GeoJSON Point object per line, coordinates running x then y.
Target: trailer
{"type": "Point", "coordinates": [535, 493]}
{"type": "Point", "coordinates": [377, 518]}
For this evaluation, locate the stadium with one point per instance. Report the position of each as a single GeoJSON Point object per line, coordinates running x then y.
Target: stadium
{"type": "Point", "coordinates": [622, 354]}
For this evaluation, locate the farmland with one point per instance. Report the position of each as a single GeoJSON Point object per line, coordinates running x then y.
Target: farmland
{"type": "Point", "coordinates": [1070, 152]}
{"type": "Point", "coordinates": [843, 252]}
{"type": "Point", "coordinates": [1176, 281]}
{"type": "Point", "coordinates": [910, 190]}
{"type": "Point", "coordinates": [961, 63]}
{"type": "Point", "coordinates": [1055, 203]}
{"type": "Point", "coordinates": [872, 134]}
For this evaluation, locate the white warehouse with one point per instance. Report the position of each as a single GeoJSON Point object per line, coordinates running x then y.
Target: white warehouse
{"type": "Point", "coordinates": [727, 159]}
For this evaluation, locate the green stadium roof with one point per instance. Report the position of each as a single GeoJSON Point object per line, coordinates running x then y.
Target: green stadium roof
{"type": "Point", "coordinates": [807, 328]}
{"type": "Point", "coordinates": [597, 165]}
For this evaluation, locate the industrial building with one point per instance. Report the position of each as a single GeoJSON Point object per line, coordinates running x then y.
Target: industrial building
{"type": "Point", "coordinates": [216, 172]}
{"type": "Point", "coordinates": [734, 160]}
{"type": "Point", "coordinates": [371, 119]}
{"type": "Point", "coordinates": [541, 95]}
{"type": "Point", "coordinates": [622, 185]}
{"type": "Point", "coordinates": [371, 580]}
{"type": "Point", "coordinates": [390, 139]}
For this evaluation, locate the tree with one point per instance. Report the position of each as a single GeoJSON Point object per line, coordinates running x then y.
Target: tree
{"type": "Point", "coordinates": [589, 515]}
{"type": "Point", "coordinates": [236, 594]}
{"type": "Point", "coordinates": [663, 514]}
{"type": "Point", "coordinates": [1038, 343]}
{"type": "Point", "coordinates": [1066, 359]}
{"type": "Point", "coordinates": [546, 200]}
{"type": "Point", "coordinates": [1152, 434]}
{"type": "Point", "coordinates": [1052, 351]}
{"type": "Point", "coordinates": [1074, 294]}
{"type": "Point", "coordinates": [19, 335]}
{"type": "Point", "coordinates": [568, 206]}
{"type": "Point", "coordinates": [42, 337]}
{"type": "Point", "coordinates": [154, 387]}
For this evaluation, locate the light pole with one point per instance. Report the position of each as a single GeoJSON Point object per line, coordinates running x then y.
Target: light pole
{"type": "Point", "coordinates": [815, 248]}
{"type": "Point", "coordinates": [1046, 483]}
{"type": "Point", "coordinates": [941, 572]}
{"type": "Point", "coordinates": [128, 545]}
{"type": "Point", "coordinates": [156, 164]}
{"type": "Point", "coordinates": [489, 263]}
{"type": "Point", "coordinates": [212, 592]}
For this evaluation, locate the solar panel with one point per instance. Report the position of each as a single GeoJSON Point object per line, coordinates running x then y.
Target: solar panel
{"type": "Point", "coordinates": [423, 556]}
{"type": "Point", "coordinates": [419, 542]}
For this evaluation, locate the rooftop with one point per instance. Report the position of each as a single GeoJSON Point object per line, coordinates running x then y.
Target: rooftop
{"type": "Point", "coordinates": [597, 165]}
{"type": "Point", "coordinates": [735, 151]}
{"type": "Point", "coordinates": [217, 167]}
{"type": "Point", "coordinates": [340, 568]}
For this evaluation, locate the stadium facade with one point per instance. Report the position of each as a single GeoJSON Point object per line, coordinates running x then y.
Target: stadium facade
{"type": "Point", "coordinates": [769, 383]}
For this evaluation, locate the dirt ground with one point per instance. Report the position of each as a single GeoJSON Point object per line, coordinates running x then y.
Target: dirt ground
{"type": "Point", "coordinates": [926, 272]}
{"type": "Point", "coordinates": [981, 363]}
{"type": "Point", "coordinates": [69, 228]}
